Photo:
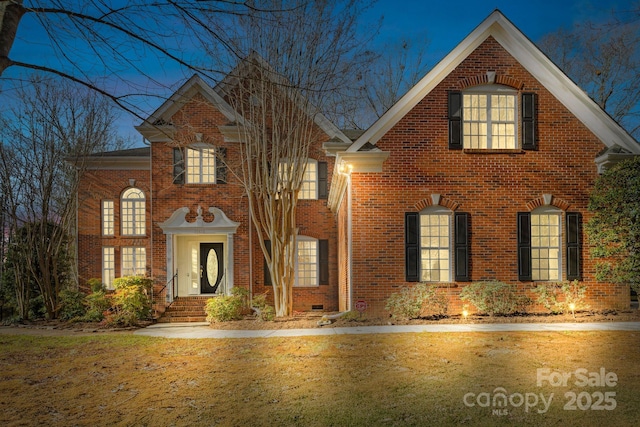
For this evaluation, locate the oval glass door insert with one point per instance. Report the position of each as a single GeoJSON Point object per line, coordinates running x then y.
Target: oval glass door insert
{"type": "Point", "coordinates": [212, 267]}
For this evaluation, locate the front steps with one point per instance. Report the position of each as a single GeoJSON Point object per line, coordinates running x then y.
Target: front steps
{"type": "Point", "coordinates": [185, 309]}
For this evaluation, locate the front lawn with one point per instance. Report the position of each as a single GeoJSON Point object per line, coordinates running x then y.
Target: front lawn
{"type": "Point", "coordinates": [346, 380]}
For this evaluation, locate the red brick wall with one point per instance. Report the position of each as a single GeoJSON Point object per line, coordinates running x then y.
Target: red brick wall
{"type": "Point", "coordinates": [198, 116]}
{"type": "Point", "coordinates": [491, 187]}
{"type": "Point", "coordinates": [96, 186]}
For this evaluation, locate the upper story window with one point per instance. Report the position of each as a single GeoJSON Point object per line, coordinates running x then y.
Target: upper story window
{"type": "Point", "coordinates": [489, 119]}
{"type": "Point", "coordinates": [314, 179]}
{"type": "Point", "coordinates": [108, 218]}
{"type": "Point", "coordinates": [133, 212]}
{"type": "Point", "coordinates": [201, 165]}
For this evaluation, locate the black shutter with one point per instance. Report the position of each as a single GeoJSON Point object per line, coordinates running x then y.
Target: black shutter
{"type": "Point", "coordinates": [524, 246]}
{"type": "Point", "coordinates": [461, 247]}
{"type": "Point", "coordinates": [412, 246]}
{"type": "Point", "coordinates": [267, 274]}
{"type": "Point", "coordinates": [221, 165]}
{"type": "Point", "coordinates": [455, 120]}
{"type": "Point", "coordinates": [573, 245]}
{"type": "Point", "coordinates": [178, 166]}
{"type": "Point", "coordinates": [529, 116]}
{"type": "Point", "coordinates": [323, 261]}
{"type": "Point", "coordinates": [322, 181]}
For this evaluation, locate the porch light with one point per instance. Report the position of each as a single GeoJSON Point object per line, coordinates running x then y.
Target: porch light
{"type": "Point", "coordinates": [345, 168]}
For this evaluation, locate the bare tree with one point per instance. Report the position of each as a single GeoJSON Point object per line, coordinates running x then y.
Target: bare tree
{"type": "Point", "coordinates": [604, 59]}
{"type": "Point", "coordinates": [294, 62]}
{"type": "Point", "coordinates": [54, 121]}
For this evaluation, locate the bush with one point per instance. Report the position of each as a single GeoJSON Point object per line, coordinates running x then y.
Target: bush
{"type": "Point", "coordinates": [495, 297]}
{"type": "Point", "coordinates": [264, 310]}
{"type": "Point", "coordinates": [72, 304]}
{"type": "Point", "coordinates": [224, 308]}
{"type": "Point", "coordinates": [558, 298]}
{"type": "Point", "coordinates": [131, 300]}
{"type": "Point", "coordinates": [95, 285]}
{"type": "Point", "coordinates": [97, 303]}
{"type": "Point", "coordinates": [416, 301]}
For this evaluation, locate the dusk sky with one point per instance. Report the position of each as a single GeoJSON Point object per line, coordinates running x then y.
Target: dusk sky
{"type": "Point", "coordinates": [442, 23]}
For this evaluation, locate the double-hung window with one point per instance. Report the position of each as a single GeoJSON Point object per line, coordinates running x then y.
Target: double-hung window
{"type": "Point", "coordinates": [489, 120]}
{"type": "Point", "coordinates": [313, 185]}
{"type": "Point", "coordinates": [108, 266]}
{"type": "Point", "coordinates": [540, 245]}
{"type": "Point", "coordinates": [133, 212]}
{"type": "Point", "coordinates": [311, 262]}
{"type": "Point", "coordinates": [108, 218]}
{"type": "Point", "coordinates": [201, 165]}
{"type": "Point", "coordinates": [134, 261]}
{"type": "Point", "coordinates": [437, 246]}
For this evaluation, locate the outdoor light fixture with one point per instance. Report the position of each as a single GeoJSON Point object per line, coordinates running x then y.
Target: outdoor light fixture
{"type": "Point", "coordinates": [345, 168]}
{"type": "Point", "coordinates": [465, 313]}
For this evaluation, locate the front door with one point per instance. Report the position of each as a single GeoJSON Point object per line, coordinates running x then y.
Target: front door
{"type": "Point", "coordinates": [211, 267]}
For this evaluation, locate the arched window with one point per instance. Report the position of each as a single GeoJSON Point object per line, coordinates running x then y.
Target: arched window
{"type": "Point", "coordinates": [133, 212]}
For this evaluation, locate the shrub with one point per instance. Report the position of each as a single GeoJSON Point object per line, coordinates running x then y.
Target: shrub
{"type": "Point", "coordinates": [131, 300]}
{"type": "Point", "coordinates": [416, 301]}
{"type": "Point", "coordinates": [558, 298]}
{"type": "Point", "coordinates": [494, 297]}
{"type": "Point", "coordinates": [97, 303]}
{"type": "Point", "coordinates": [224, 308]}
{"type": "Point", "coordinates": [72, 304]}
{"type": "Point", "coordinates": [95, 285]}
{"type": "Point", "coordinates": [264, 310]}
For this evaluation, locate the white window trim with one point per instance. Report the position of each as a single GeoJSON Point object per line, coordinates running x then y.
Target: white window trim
{"type": "Point", "coordinates": [199, 148]}
{"type": "Point", "coordinates": [437, 210]}
{"type": "Point", "coordinates": [549, 210]}
{"type": "Point", "coordinates": [317, 262]}
{"type": "Point", "coordinates": [134, 259]}
{"type": "Point", "coordinates": [315, 180]}
{"type": "Point", "coordinates": [492, 89]}
{"type": "Point", "coordinates": [107, 279]}
{"type": "Point", "coordinates": [123, 201]}
{"type": "Point", "coordinates": [110, 219]}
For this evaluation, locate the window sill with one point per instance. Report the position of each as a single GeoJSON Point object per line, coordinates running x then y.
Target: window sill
{"type": "Point", "coordinates": [490, 151]}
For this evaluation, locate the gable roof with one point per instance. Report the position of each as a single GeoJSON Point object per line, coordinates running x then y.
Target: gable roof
{"type": "Point", "coordinates": [531, 58]}
{"type": "Point", "coordinates": [255, 60]}
{"type": "Point", "coordinates": [156, 126]}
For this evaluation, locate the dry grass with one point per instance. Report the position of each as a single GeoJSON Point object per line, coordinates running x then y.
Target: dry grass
{"type": "Point", "coordinates": [386, 380]}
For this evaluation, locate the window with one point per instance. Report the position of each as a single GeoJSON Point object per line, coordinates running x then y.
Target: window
{"type": "Point", "coordinates": [201, 165]}
{"type": "Point", "coordinates": [133, 212]}
{"type": "Point", "coordinates": [311, 265]}
{"type": "Point", "coordinates": [307, 262]}
{"type": "Point", "coordinates": [486, 118]}
{"type": "Point", "coordinates": [489, 120]}
{"type": "Point", "coordinates": [540, 240]}
{"type": "Point", "coordinates": [108, 266]}
{"type": "Point", "coordinates": [545, 246]}
{"type": "Point", "coordinates": [437, 245]}
{"type": "Point", "coordinates": [108, 218]}
{"type": "Point", "coordinates": [134, 261]}
{"type": "Point", "coordinates": [314, 180]}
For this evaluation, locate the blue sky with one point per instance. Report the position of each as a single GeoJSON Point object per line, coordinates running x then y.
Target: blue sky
{"type": "Point", "coordinates": [443, 23]}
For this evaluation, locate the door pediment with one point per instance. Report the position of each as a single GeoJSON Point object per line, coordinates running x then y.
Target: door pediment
{"type": "Point", "coordinates": [178, 224]}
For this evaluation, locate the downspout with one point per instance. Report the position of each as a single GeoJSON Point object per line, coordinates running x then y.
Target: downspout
{"type": "Point", "coordinates": [250, 260]}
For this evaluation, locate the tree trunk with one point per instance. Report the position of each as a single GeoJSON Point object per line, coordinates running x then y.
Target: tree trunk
{"type": "Point", "coordinates": [10, 15]}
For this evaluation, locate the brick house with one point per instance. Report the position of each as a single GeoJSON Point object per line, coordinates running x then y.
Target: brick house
{"type": "Point", "coordinates": [482, 171]}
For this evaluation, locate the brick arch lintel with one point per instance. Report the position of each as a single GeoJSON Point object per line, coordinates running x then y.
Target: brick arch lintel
{"type": "Point", "coordinates": [483, 79]}
{"type": "Point", "coordinates": [544, 201]}
{"type": "Point", "coordinates": [441, 201]}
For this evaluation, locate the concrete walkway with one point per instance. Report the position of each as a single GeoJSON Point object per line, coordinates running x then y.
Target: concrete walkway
{"type": "Point", "coordinates": [203, 330]}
